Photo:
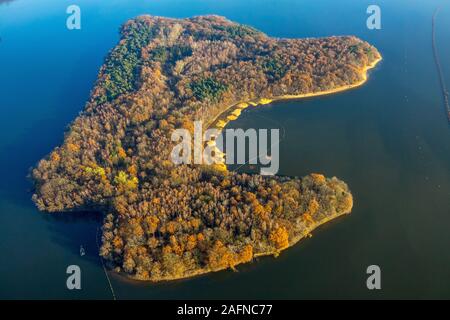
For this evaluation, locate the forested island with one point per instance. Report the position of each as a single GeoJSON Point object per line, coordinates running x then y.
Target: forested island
{"type": "Point", "coordinates": [164, 221]}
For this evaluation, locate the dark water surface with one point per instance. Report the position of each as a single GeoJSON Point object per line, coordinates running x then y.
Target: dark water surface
{"type": "Point", "coordinates": [389, 140]}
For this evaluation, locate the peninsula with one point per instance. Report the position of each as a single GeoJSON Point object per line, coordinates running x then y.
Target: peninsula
{"type": "Point", "coordinates": [164, 221]}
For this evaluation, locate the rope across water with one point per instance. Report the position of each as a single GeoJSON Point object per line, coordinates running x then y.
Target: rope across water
{"type": "Point", "coordinates": [104, 268]}
{"type": "Point", "coordinates": [438, 64]}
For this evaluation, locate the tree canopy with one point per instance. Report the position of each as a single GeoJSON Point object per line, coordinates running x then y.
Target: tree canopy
{"type": "Point", "coordinates": [165, 221]}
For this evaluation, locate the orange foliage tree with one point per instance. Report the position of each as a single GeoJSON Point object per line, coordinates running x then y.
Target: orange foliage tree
{"type": "Point", "coordinates": [220, 257]}
{"type": "Point", "coordinates": [280, 238]}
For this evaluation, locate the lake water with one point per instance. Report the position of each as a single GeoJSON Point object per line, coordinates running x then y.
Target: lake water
{"type": "Point", "coordinates": [389, 140]}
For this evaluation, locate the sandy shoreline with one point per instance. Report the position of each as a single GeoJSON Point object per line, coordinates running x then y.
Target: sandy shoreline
{"type": "Point", "coordinates": [225, 117]}
{"type": "Point", "coordinates": [263, 101]}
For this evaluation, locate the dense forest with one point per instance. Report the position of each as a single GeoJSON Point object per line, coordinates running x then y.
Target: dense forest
{"type": "Point", "coordinates": [165, 221]}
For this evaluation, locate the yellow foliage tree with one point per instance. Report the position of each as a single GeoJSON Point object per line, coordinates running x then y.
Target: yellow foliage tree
{"type": "Point", "coordinates": [313, 206]}
{"type": "Point", "coordinates": [200, 237]}
{"type": "Point", "coordinates": [307, 218]}
{"type": "Point", "coordinates": [280, 238]}
{"type": "Point", "coordinates": [132, 170]}
{"type": "Point", "coordinates": [121, 153]}
{"type": "Point", "coordinates": [220, 257]}
{"type": "Point", "coordinates": [152, 223]}
{"type": "Point", "coordinates": [246, 255]}
{"type": "Point", "coordinates": [177, 248]}
{"type": "Point", "coordinates": [171, 227]}
{"type": "Point", "coordinates": [73, 147]}
{"type": "Point", "coordinates": [122, 180]}
{"type": "Point", "coordinates": [118, 242]}
{"type": "Point", "coordinates": [54, 157]}
{"type": "Point", "coordinates": [191, 242]}
{"type": "Point", "coordinates": [318, 178]}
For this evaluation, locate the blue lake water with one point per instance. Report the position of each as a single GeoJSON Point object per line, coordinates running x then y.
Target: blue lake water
{"type": "Point", "coordinates": [389, 140]}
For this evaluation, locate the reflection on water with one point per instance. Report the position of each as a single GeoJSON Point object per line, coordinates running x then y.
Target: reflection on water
{"type": "Point", "coordinates": [388, 140]}
{"type": "Point", "coordinates": [64, 231]}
